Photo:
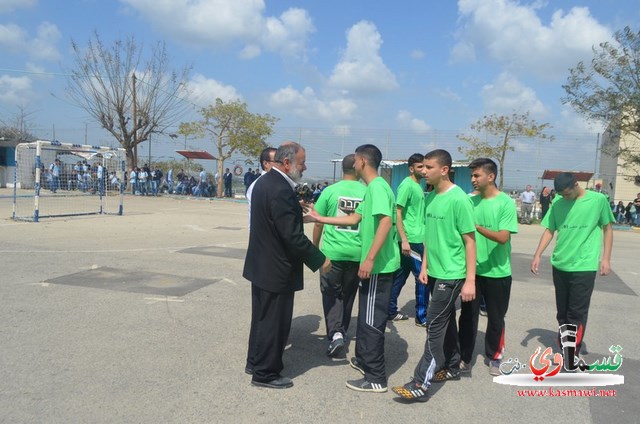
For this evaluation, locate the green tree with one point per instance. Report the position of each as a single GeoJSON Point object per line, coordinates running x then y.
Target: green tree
{"type": "Point", "coordinates": [231, 127]}
{"type": "Point", "coordinates": [503, 129]}
{"type": "Point", "coordinates": [130, 94]}
{"type": "Point", "coordinates": [607, 90]}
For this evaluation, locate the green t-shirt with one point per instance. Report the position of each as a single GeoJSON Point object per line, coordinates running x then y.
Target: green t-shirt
{"type": "Point", "coordinates": [379, 200]}
{"type": "Point", "coordinates": [579, 225]}
{"type": "Point", "coordinates": [495, 214]}
{"type": "Point", "coordinates": [341, 199]}
{"type": "Point", "coordinates": [411, 199]}
{"type": "Point", "coordinates": [448, 216]}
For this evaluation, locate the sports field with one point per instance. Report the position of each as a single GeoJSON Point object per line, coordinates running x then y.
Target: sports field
{"type": "Point", "coordinates": [144, 318]}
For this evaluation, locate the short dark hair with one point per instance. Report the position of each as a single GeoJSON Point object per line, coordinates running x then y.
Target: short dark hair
{"type": "Point", "coordinates": [265, 156]}
{"type": "Point", "coordinates": [415, 158]}
{"type": "Point", "coordinates": [441, 156]}
{"type": "Point", "coordinates": [347, 164]}
{"type": "Point", "coordinates": [564, 180]}
{"type": "Point", "coordinates": [487, 165]}
{"type": "Point", "coordinates": [371, 153]}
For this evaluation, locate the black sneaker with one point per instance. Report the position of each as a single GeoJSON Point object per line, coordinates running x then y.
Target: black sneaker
{"type": "Point", "coordinates": [335, 346]}
{"type": "Point", "coordinates": [464, 367]}
{"type": "Point", "coordinates": [446, 374]}
{"type": "Point", "coordinates": [362, 385]}
{"type": "Point", "coordinates": [412, 392]}
{"type": "Point", "coordinates": [398, 317]}
{"type": "Point", "coordinates": [420, 324]}
{"type": "Point", "coordinates": [355, 364]}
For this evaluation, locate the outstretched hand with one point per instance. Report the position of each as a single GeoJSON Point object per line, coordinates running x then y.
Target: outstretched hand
{"type": "Point", "coordinates": [311, 216]}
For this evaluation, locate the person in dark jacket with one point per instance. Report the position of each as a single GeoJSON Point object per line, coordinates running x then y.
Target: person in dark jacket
{"type": "Point", "coordinates": [278, 249]}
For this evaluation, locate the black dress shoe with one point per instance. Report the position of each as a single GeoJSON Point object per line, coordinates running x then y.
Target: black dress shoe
{"type": "Point", "coordinates": [248, 370]}
{"type": "Point", "coordinates": [277, 383]}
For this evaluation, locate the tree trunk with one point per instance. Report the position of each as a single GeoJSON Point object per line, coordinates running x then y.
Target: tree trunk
{"type": "Point", "coordinates": [131, 160]}
{"type": "Point", "coordinates": [220, 188]}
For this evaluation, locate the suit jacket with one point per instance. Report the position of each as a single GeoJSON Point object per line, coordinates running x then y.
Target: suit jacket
{"type": "Point", "coordinates": [278, 247]}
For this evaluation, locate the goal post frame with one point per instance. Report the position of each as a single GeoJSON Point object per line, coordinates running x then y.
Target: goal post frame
{"type": "Point", "coordinates": [73, 149]}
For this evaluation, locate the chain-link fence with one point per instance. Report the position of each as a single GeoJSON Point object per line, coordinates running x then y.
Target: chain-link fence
{"type": "Point", "coordinates": [525, 165]}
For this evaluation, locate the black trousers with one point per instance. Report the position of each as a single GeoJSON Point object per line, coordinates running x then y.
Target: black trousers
{"type": "Point", "coordinates": [573, 296]}
{"type": "Point", "coordinates": [441, 348]}
{"type": "Point", "coordinates": [372, 322]}
{"type": "Point", "coordinates": [271, 315]}
{"type": "Point", "coordinates": [496, 292]}
{"type": "Point", "coordinates": [339, 287]}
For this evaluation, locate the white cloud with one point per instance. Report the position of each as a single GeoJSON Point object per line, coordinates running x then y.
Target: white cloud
{"type": "Point", "coordinates": [306, 104]}
{"type": "Point", "coordinates": [449, 94]}
{"type": "Point", "coordinates": [223, 22]}
{"type": "Point", "coordinates": [15, 90]}
{"type": "Point", "coordinates": [416, 125]}
{"type": "Point", "coordinates": [361, 68]}
{"type": "Point", "coordinates": [514, 35]}
{"type": "Point", "coordinates": [10, 5]}
{"type": "Point", "coordinates": [44, 45]}
{"type": "Point", "coordinates": [507, 94]}
{"type": "Point", "coordinates": [572, 122]}
{"type": "Point", "coordinates": [463, 51]}
{"type": "Point", "coordinates": [417, 54]}
{"type": "Point", "coordinates": [288, 34]}
{"type": "Point", "coordinates": [204, 91]}
{"type": "Point", "coordinates": [14, 38]}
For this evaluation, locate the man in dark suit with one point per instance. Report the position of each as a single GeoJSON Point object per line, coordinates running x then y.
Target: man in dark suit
{"type": "Point", "coordinates": [277, 250]}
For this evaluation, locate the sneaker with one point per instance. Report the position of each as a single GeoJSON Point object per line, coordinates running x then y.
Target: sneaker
{"type": "Point", "coordinates": [398, 317]}
{"type": "Point", "coordinates": [494, 368]}
{"type": "Point", "coordinates": [446, 374]}
{"type": "Point", "coordinates": [464, 367]}
{"type": "Point", "coordinates": [362, 385]}
{"type": "Point", "coordinates": [420, 324]}
{"type": "Point", "coordinates": [335, 346]}
{"type": "Point", "coordinates": [355, 364]}
{"type": "Point", "coordinates": [412, 392]}
{"type": "Point", "coordinates": [483, 312]}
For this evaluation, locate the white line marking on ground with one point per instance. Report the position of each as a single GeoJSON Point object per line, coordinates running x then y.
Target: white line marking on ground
{"type": "Point", "coordinates": [194, 227]}
{"type": "Point", "coordinates": [227, 280]}
{"type": "Point", "coordinates": [153, 300]}
{"type": "Point", "coordinates": [174, 248]}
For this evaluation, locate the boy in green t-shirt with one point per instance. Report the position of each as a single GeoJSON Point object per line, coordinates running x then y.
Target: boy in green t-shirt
{"type": "Point", "coordinates": [378, 261]}
{"type": "Point", "coordinates": [582, 219]}
{"type": "Point", "coordinates": [410, 226]}
{"type": "Point", "coordinates": [342, 246]}
{"type": "Point", "coordinates": [449, 266]}
{"type": "Point", "coordinates": [496, 219]}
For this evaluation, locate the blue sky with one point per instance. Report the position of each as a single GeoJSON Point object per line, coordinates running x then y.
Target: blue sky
{"type": "Point", "coordinates": [412, 66]}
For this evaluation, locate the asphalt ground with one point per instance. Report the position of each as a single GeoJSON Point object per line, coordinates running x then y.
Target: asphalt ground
{"type": "Point", "coordinates": [143, 318]}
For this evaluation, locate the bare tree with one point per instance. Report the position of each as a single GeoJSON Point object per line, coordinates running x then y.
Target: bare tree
{"type": "Point", "coordinates": [17, 129]}
{"type": "Point", "coordinates": [131, 95]}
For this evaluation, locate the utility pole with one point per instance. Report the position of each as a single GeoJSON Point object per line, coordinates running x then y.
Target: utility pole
{"type": "Point", "coordinates": [135, 123]}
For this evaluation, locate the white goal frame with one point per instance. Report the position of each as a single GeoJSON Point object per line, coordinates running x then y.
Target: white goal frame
{"type": "Point", "coordinates": [77, 197]}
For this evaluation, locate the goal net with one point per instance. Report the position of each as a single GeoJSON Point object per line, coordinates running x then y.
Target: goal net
{"type": "Point", "coordinates": [60, 179]}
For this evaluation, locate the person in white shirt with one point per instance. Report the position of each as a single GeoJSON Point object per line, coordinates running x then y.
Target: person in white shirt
{"type": "Point", "coordinates": [528, 198]}
{"type": "Point", "coordinates": [266, 162]}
